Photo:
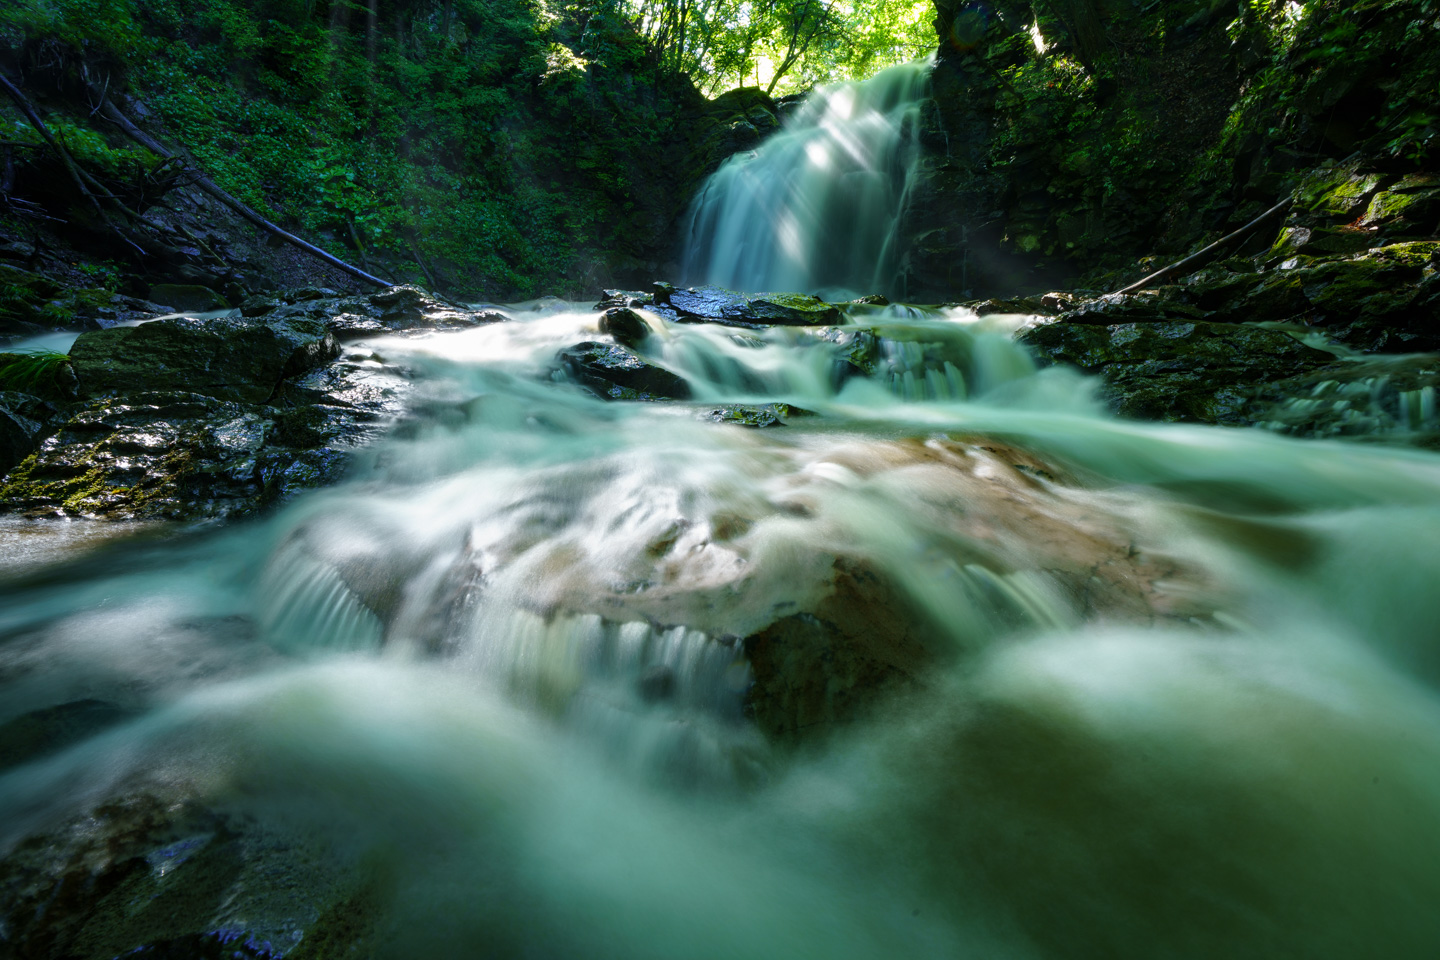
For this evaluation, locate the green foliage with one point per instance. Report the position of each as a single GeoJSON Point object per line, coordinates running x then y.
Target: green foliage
{"type": "Point", "coordinates": [38, 373]}
{"type": "Point", "coordinates": [475, 135]}
{"type": "Point", "coordinates": [782, 45]}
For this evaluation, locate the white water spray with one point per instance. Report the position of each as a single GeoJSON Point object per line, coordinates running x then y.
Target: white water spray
{"type": "Point", "coordinates": [818, 206]}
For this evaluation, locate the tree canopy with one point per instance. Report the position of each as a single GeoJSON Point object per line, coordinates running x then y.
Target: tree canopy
{"type": "Point", "coordinates": [782, 46]}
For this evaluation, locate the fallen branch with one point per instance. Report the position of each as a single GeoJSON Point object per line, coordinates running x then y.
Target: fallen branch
{"type": "Point", "coordinates": [113, 114]}
{"type": "Point", "coordinates": [1195, 259]}
{"type": "Point", "coordinates": [65, 159]}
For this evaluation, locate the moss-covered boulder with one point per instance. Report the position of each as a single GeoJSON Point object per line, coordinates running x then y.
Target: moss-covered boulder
{"type": "Point", "coordinates": [1339, 191]}
{"type": "Point", "coordinates": [615, 373]}
{"type": "Point", "coordinates": [1193, 372]}
{"type": "Point", "coordinates": [229, 358]}
{"type": "Point", "coordinates": [1417, 211]}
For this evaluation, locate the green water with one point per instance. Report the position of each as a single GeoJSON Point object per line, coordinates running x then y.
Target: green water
{"type": "Point", "coordinates": [1179, 701]}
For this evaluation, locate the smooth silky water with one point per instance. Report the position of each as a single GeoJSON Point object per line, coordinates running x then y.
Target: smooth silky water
{"type": "Point", "coordinates": [1181, 699]}
{"type": "Point", "coordinates": [818, 207]}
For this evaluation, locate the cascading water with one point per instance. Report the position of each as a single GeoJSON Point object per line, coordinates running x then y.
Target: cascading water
{"type": "Point", "coordinates": [949, 663]}
{"type": "Point", "coordinates": [817, 207]}
{"type": "Point", "coordinates": [526, 684]}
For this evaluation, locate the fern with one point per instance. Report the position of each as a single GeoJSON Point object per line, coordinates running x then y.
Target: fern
{"type": "Point", "coordinates": [37, 372]}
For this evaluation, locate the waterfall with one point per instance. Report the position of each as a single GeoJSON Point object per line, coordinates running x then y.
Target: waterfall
{"type": "Point", "coordinates": [818, 206]}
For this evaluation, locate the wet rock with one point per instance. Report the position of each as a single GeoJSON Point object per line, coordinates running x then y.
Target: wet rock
{"type": "Point", "coordinates": [1151, 305]}
{"type": "Point", "coordinates": [625, 325]}
{"type": "Point", "coordinates": [615, 373]}
{"type": "Point", "coordinates": [150, 455]}
{"type": "Point", "coordinates": [625, 298]}
{"type": "Point", "coordinates": [259, 306]}
{"type": "Point", "coordinates": [226, 358]}
{"type": "Point", "coordinates": [711, 304]}
{"type": "Point", "coordinates": [763, 415]}
{"type": "Point", "coordinates": [188, 297]}
{"type": "Point", "coordinates": [117, 309]}
{"type": "Point", "coordinates": [154, 875]}
{"type": "Point", "coordinates": [1032, 305]}
{"type": "Point", "coordinates": [1194, 372]}
{"type": "Point", "coordinates": [185, 456]}
{"type": "Point", "coordinates": [19, 434]}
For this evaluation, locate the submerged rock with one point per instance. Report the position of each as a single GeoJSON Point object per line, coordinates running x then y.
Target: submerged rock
{"type": "Point", "coordinates": [1384, 398]}
{"type": "Point", "coordinates": [615, 373]}
{"type": "Point", "coordinates": [227, 358]}
{"type": "Point", "coordinates": [156, 875]}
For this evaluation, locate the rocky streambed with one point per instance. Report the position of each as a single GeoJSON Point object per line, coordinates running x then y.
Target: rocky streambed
{"type": "Point", "coordinates": [533, 629]}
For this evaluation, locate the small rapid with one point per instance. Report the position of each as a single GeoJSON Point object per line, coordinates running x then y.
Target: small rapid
{"type": "Point", "coordinates": [949, 663]}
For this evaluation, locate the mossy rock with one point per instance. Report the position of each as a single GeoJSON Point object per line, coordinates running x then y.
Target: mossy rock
{"type": "Point", "coordinates": [1320, 242]}
{"type": "Point", "coordinates": [1339, 192]}
{"type": "Point", "coordinates": [229, 358]}
{"type": "Point", "coordinates": [1190, 372]}
{"type": "Point", "coordinates": [1344, 287]}
{"type": "Point", "coordinates": [1418, 253]}
{"type": "Point", "coordinates": [763, 415]}
{"type": "Point", "coordinates": [1419, 209]}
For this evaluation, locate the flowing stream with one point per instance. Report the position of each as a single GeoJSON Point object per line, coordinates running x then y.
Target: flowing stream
{"type": "Point", "coordinates": [951, 664]}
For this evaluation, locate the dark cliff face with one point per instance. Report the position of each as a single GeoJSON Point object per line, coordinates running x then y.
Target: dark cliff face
{"type": "Point", "coordinates": [1065, 168]}
{"type": "Point", "coordinates": [1042, 166]}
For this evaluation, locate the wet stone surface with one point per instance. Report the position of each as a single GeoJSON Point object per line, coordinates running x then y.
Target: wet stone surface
{"type": "Point", "coordinates": [615, 373]}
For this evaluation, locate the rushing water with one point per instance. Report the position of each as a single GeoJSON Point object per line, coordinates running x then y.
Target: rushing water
{"type": "Point", "coordinates": [818, 206]}
{"type": "Point", "coordinates": [1180, 698]}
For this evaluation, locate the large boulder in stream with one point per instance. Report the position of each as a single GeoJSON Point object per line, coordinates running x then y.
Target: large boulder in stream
{"type": "Point", "coordinates": [615, 373]}
{"type": "Point", "coordinates": [230, 358]}
{"type": "Point", "coordinates": [712, 304]}
{"type": "Point", "coordinates": [777, 604]}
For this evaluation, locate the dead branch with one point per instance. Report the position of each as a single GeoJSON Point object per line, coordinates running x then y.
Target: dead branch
{"type": "Point", "coordinates": [1196, 259]}
{"type": "Point", "coordinates": [113, 114]}
{"type": "Point", "coordinates": [69, 163]}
